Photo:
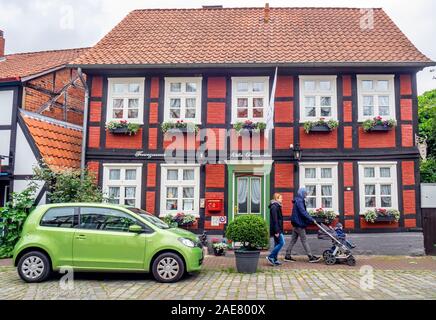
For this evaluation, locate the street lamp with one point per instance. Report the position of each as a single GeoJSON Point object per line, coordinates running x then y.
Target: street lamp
{"type": "Point", "coordinates": [297, 151]}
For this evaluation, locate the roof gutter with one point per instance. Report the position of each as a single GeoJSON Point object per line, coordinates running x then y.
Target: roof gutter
{"type": "Point", "coordinates": [85, 124]}
{"type": "Point", "coordinates": [413, 64]}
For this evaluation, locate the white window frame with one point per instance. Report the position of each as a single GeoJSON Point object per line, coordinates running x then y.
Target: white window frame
{"type": "Point", "coordinates": [390, 93]}
{"type": "Point", "coordinates": [318, 181]}
{"type": "Point", "coordinates": [377, 180]}
{"type": "Point", "coordinates": [180, 183]}
{"type": "Point", "coordinates": [122, 183]}
{"type": "Point", "coordinates": [318, 93]}
{"type": "Point", "coordinates": [126, 96]}
{"type": "Point", "coordinates": [250, 95]}
{"type": "Point", "coordinates": [183, 95]}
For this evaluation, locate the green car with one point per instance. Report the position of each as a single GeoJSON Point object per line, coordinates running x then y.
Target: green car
{"type": "Point", "coordinates": [103, 237]}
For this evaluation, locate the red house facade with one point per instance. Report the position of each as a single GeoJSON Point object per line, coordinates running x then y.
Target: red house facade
{"type": "Point", "coordinates": [215, 68]}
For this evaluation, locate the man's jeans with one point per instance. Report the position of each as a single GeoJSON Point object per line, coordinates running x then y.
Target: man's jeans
{"type": "Point", "coordinates": [279, 243]}
{"type": "Point", "coordinates": [298, 232]}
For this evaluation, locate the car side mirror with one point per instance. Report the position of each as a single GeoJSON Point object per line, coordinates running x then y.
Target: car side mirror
{"type": "Point", "coordinates": [136, 229]}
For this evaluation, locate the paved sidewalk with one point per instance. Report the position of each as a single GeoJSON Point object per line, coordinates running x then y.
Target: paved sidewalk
{"type": "Point", "coordinates": [392, 279]}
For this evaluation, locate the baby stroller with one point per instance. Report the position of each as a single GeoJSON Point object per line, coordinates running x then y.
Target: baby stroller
{"type": "Point", "coordinates": [340, 252]}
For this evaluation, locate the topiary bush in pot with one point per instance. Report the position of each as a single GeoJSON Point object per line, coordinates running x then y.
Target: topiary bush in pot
{"type": "Point", "coordinates": [252, 233]}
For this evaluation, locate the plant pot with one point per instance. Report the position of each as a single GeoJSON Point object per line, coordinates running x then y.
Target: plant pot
{"type": "Point", "coordinates": [323, 220]}
{"type": "Point", "coordinates": [247, 261]}
{"type": "Point", "coordinates": [124, 131]}
{"type": "Point", "coordinates": [321, 128]}
{"type": "Point", "coordinates": [385, 219]}
{"type": "Point", "coordinates": [180, 130]}
{"type": "Point", "coordinates": [219, 252]}
{"type": "Point", "coordinates": [380, 128]}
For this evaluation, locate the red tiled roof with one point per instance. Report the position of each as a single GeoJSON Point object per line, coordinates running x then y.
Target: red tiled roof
{"type": "Point", "coordinates": [22, 65]}
{"type": "Point", "coordinates": [240, 36]}
{"type": "Point", "coordinates": [58, 144]}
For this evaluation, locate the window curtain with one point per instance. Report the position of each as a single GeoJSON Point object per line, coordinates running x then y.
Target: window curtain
{"type": "Point", "coordinates": [255, 191]}
{"type": "Point", "coordinates": [242, 190]}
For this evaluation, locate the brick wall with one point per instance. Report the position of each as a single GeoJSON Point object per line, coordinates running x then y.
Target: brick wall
{"type": "Point", "coordinates": [39, 91]}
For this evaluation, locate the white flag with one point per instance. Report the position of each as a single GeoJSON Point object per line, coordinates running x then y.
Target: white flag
{"type": "Point", "coordinates": [270, 111]}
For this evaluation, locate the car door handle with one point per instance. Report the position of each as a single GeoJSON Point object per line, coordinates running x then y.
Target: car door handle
{"type": "Point", "coordinates": [81, 237]}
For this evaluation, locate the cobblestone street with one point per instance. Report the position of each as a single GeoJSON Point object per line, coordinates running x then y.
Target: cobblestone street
{"type": "Point", "coordinates": [394, 278]}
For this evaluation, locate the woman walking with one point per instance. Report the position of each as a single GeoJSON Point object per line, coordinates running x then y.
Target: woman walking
{"type": "Point", "coordinates": [300, 220]}
{"type": "Point", "coordinates": [276, 228]}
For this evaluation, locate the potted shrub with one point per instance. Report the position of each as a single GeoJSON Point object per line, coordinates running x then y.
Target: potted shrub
{"type": "Point", "coordinates": [320, 126]}
{"type": "Point", "coordinates": [250, 126]}
{"type": "Point", "coordinates": [252, 233]}
{"type": "Point", "coordinates": [382, 215]}
{"type": "Point", "coordinates": [179, 126]}
{"type": "Point", "coordinates": [323, 216]}
{"type": "Point", "coordinates": [122, 127]}
{"type": "Point", "coordinates": [219, 247]}
{"type": "Point", "coordinates": [378, 124]}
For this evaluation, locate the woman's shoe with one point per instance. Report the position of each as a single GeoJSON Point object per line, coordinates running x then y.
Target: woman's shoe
{"type": "Point", "coordinates": [314, 259]}
{"type": "Point", "coordinates": [289, 259]}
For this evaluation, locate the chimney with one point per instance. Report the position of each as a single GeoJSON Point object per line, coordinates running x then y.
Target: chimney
{"type": "Point", "coordinates": [266, 16]}
{"type": "Point", "coordinates": [2, 45]}
{"type": "Point", "coordinates": [212, 7]}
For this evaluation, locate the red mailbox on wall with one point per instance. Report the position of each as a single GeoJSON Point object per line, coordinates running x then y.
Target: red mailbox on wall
{"type": "Point", "coordinates": [214, 205]}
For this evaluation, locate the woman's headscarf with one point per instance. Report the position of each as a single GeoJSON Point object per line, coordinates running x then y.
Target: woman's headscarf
{"type": "Point", "coordinates": [302, 192]}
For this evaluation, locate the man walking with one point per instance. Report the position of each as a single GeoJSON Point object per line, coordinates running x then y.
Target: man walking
{"type": "Point", "coordinates": [300, 220]}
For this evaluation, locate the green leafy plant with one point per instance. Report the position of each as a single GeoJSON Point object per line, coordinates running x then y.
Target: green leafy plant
{"type": "Point", "coordinates": [250, 126]}
{"type": "Point", "coordinates": [369, 124]}
{"type": "Point", "coordinates": [12, 218]}
{"type": "Point", "coordinates": [251, 231]}
{"type": "Point", "coordinates": [427, 120]}
{"type": "Point", "coordinates": [180, 125]}
{"type": "Point", "coordinates": [179, 220]}
{"type": "Point", "coordinates": [428, 170]}
{"type": "Point", "coordinates": [328, 215]}
{"type": "Point", "coordinates": [131, 128]}
{"type": "Point", "coordinates": [67, 186]}
{"type": "Point", "coordinates": [331, 124]}
{"type": "Point", "coordinates": [371, 215]}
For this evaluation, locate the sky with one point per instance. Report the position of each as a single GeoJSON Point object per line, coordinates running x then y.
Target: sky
{"type": "Point", "coordinates": [34, 25]}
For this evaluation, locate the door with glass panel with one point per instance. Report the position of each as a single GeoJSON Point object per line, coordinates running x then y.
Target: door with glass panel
{"type": "Point", "coordinates": [249, 195]}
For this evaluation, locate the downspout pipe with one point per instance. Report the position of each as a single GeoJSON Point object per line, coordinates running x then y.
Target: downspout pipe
{"type": "Point", "coordinates": [85, 124]}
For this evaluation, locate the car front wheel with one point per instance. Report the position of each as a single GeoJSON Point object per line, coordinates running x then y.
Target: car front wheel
{"type": "Point", "coordinates": [168, 267]}
{"type": "Point", "coordinates": [34, 267]}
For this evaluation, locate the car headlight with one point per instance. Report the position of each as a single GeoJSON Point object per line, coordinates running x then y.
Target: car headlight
{"type": "Point", "coordinates": [187, 242]}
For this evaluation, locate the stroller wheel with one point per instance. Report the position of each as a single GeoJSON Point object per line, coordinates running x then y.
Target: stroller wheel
{"type": "Point", "coordinates": [351, 261]}
{"type": "Point", "coordinates": [329, 258]}
{"type": "Point", "coordinates": [326, 253]}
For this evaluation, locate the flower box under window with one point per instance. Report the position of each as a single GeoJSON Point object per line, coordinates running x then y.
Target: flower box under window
{"type": "Point", "coordinates": [321, 128]}
{"type": "Point", "coordinates": [122, 127]}
{"type": "Point", "coordinates": [385, 219]}
{"type": "Point", "coordinates": [378, 124]}
{"type": "Point", "coordinates": [380, 128]}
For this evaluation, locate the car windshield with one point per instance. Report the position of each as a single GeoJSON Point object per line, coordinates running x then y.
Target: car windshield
{"type": "Point", "coordinates": [150, 218]}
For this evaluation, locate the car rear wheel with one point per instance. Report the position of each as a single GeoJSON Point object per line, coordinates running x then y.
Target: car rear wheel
{"type": "Point", "coordinates": [34, 267]}
{"type": "Point", "coordinates": [168, 267]}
